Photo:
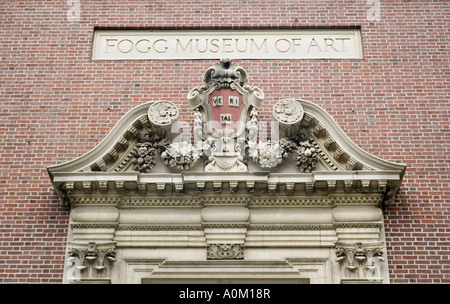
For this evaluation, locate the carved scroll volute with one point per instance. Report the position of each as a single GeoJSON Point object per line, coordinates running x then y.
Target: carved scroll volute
{"type": "Point", "coordinates": [163, 115]}
{"type": "Point", "coordinates": [288, 113]}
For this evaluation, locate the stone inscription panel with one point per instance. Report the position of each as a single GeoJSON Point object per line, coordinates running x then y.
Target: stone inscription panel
{"type": "Point", "coordinates": [234, 44]}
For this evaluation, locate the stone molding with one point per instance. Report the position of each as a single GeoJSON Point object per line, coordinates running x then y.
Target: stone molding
{"type": "Point", "coordinates": [200, 202]}
{"type": "Point", "coordinates": [160, 228]}
{"type": "Point", "coordinates": [288, 227]}
{"type": "Point", "coordinates": [76, 185]}
{"type": "Point", "coordinates": [303, 270]}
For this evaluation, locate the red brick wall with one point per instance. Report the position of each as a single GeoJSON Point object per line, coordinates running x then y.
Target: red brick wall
{"type": "Point", "coordinates": [57, 104]}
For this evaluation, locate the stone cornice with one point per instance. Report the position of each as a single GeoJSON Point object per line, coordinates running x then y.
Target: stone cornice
{"type": "Point", "coordinates": [216, 189]}
{"type": "Point", "coordinates": [114, 179]}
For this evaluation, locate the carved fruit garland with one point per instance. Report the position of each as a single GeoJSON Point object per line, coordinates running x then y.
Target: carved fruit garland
{"type": "Point", "coordinates": [144, 157]}
{"type": "Point", "coordinates": [307, 156]}
{"type": "Point", "coordinates": [149, 143]}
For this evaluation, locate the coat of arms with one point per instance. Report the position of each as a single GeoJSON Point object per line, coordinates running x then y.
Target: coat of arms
{"type": "Point", "coordinates": [224, 105]}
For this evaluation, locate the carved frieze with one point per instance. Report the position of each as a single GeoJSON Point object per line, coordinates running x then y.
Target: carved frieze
{"type": "Point", "coordinates": [225, 252]}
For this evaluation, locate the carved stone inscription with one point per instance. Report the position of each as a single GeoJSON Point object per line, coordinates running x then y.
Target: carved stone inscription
{"type": "Point", "coordinates": [255, 44]}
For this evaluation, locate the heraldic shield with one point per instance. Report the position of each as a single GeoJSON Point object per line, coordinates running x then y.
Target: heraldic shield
{"type": "Point", "coordinates": [224, 107]}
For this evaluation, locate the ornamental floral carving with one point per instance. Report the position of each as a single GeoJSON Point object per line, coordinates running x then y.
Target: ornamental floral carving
{"type": "Point", "coordinates": [268, 154]}
{"type": "Point", "coordinates": [307, 156]}
{"type": "Point", "coordinates": [271, 153]}
{"type": "Point", "coordinates": [92, 261]}
{"type": "Point", "coordinates": [144, 157]}
{"type": "Point", "coordinates": [181, 155]}
{"type": "Point", "coordinates": [358, 260]}
{"type": "Point", "coordinates": [225, 73]}
{"type": "Point", "coordinates": [225, 149]}
{"type": "Point", "coordinates": [288, 111]}
{"type": "Point", "coordinates": [163, 113]}
{"type": "Point", "coordinates": [225, 251]}
{"type": "Point", "coordinates": [148, 144]}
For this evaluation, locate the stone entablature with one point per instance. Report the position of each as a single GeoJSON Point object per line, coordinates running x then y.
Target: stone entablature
{"type": "Point", "coordinates": [229, 193]}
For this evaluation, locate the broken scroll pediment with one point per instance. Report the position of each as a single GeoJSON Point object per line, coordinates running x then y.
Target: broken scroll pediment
{"type": "Point", "coordinates": [301, 151]}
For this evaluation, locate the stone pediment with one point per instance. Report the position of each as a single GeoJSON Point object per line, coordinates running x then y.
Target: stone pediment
{"type": "Point", "coordinates": [230, 151]}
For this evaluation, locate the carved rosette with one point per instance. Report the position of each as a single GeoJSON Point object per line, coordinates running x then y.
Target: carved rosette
{"type": "Point", "coordinates": [360, 261]}
{"type": "Point", "coordinates": [288, 112]}
{"type": "Point", "coordinates": [225, 252]}
{"type": "Point", "coordinates": [163, 113]}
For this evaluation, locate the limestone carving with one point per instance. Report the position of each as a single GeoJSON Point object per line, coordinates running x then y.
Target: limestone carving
{"type": "Point", "coordinates": [268, 154]}
{"type": "Point", "coordinates": [162, 113]}
{"type": "Point", "coordinates": [307, 156]}
{"type": "Point", "coordinates": [359, 261]}
{"type": "Point", "coordinates": [271, 153]}
{"type": "Point", "coordinates": [181, 155]}
{"type": "Point", "coordinates": [147, 146]}
{"type": "Point", "coordinates": [198, 128]}
{"type": "Point", "coordinates": [288, 111]}
{"type": "Point", "coordinates": [252, 128]}
{"type": "Point", "coordinates": [144, 157]}
{"type": "Point", "coordinates": [225, 251]}
{"type": "Point", "coordinates": [92, 261]}
{"type": "Point", "coordinates": [224, 74]}
{"type": "Point", "coordinates": [234, 163]}
{"type": "Point", "coordinates": [227, 148]}
{"type": "Point", "coordinates": [227, 79]}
